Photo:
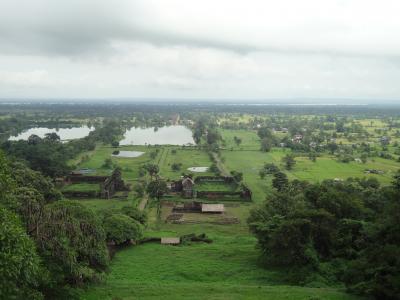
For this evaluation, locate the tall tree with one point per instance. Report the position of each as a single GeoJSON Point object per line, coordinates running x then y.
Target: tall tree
{"type": "Point", "coordinates": [289, 161]}
{"type": "Point", "coordinates": [20, 269]}
{"type": "Point", "coordinates": [280, 181]}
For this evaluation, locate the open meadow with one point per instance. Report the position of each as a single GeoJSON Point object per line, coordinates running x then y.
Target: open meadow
{"type": "Point", "coordinates": [228, 268]}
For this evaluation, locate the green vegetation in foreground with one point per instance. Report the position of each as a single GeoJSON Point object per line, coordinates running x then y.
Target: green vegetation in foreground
{"type": "Point", "coordinates": [172, 291]}
{"type": "Point", "coordinates": [226, 269]}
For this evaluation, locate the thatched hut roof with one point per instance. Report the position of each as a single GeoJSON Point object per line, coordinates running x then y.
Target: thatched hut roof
{"type": "Point", "coordinates": [170, 240]}
{"type": "Point", "coordinates": [212, 208]}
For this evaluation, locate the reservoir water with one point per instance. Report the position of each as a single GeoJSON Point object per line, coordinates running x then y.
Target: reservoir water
{"type": "Point", "coordinates": [168, 135]}
{"type": "Point", "coordinates": [65, 134]}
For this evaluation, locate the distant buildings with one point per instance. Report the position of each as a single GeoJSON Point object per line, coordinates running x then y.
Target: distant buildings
{"type": "Point", "coordinates": [385, 140]}
{"type": "Point", "coordinates": [297, 138]}
{"type": "Point", "coordinates": [313, 144]}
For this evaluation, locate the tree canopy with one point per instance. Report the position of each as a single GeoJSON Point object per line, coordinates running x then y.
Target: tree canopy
{"type": "Point", "coordinates": [344, 230]}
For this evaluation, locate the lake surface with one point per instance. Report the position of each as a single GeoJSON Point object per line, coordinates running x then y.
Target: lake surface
{"type": "Point", "coordinates": [168, 135]}
{"type": "Point", "coordinates": [128, 154]}
{"type": "Point", "coordinates": [64, 133]}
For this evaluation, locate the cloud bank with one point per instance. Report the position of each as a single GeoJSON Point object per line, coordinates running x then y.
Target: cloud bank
{"type": "Point", "coordinates": [200, 49]}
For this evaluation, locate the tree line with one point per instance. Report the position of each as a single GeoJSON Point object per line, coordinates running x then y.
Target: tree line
{"type": "Point", "coordinates": [333, 232]}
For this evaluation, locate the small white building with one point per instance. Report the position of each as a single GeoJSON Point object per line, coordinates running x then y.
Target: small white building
{"type": "Point", "coordinates": [313, 144]}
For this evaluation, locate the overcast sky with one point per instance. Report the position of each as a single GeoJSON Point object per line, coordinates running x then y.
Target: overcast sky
{"type": "Point", "coordinates": [250, 49]}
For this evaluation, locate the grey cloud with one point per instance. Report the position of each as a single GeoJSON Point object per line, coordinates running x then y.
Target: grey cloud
{"type": "Point", "coordinates": [207, 48]}
{"type": "Point", "coordinates": [71, 28]}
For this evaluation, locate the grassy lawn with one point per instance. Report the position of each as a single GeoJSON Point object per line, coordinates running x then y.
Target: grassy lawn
{"type": "Point", "coordinates": [327, 168]}
{"type": "Point", "coordinates": [250, 162]}
{"type": "Point", "coordinates": [229, 268]}
{"type": "Point", "coordinates": [216, 186]}
{"type": "Point", "coordinates": [106, 204]}
{"type": "Point", "coordinates": [130, 166]}
{"type": "Point", "coordinates": [82, 187]}
{"type": "Point", "coordinates": [188, 157]}
{"type": "Point", "coordinates": [250, 139]}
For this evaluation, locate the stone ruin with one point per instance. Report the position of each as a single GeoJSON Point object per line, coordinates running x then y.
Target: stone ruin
{"type": "Point", "coordinates": [109, 185]}
{"type": "Point", "coordinates": [112, 184]}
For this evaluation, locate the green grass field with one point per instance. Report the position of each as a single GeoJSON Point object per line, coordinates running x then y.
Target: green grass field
{"type": "Point", "coordinates": [222, 270]}
{"type": "Point", "coordinates": [82, 187]}
{"type": "Point", "coordinates": [326, 167]}
{"type": "Point", "coordinates": [229, 268]}
{"type": "Point", "coordinates": [250, 162]}
{"type": "Point", "coordinates": [188, 157]}
{"type": "Point", "coordinates": [216, 186]}
{"type": "Point", "coordinates": [250, 139]}
{"type": "Point", "coordinates": [130, 166]}
{"type": "Point", "coordinates": [106, 204]}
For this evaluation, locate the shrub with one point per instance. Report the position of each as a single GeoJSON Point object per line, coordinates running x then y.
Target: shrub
{"type": "Point", "coordinates": [121, 228]}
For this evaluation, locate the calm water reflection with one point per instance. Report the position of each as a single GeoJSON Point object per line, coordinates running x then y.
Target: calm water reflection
{"type": "Point", "coordinates": [64, 133]}
{"type": "Point", "coordinates": [169, 135]}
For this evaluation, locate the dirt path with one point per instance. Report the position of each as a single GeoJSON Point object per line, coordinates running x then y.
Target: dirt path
{"type": "Point", "coordinates": [143, 203]}
{"type": "Point", "coordinates": [224, 171]}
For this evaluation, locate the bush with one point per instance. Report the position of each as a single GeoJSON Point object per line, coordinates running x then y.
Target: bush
{"type": "Point", "coordinates": [121, 228]}
{"type": "Point", "coordinates": [176, 167]}
{"type": "Point", "coordinates": [108, 163]}
{"type": "Point", "coordinates": [135, 214]}
{"type": "Point", "coordinates": [214, 169]}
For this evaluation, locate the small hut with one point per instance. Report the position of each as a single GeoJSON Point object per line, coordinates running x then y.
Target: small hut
{"type": "Point", "coordinates": [170, 241]}
{"type": "Point", "coordinates": [212, 208]}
